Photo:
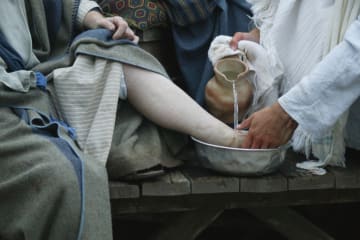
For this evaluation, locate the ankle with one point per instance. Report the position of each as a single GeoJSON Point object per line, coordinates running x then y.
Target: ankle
{"type": "Point", "coordinates": [238, 138]}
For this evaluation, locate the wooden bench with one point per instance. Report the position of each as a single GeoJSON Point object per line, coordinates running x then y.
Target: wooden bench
{"type": "Point", "coordinates": [201, 196]}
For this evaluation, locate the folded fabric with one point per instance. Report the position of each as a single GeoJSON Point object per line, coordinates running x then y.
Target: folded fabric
{"type": "Point", "coordinates": [313, 166]}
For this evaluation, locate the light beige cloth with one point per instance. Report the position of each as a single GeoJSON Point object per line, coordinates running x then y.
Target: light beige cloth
{"type": "Point", "coordinates": [88, 93]}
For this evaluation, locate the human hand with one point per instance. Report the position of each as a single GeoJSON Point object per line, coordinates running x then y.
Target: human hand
{"type": "Point", "coordinates": [253, 35]}
{"type": "Point", "coordinates": [117, 24]}
{"type": "Point", "coordinates": [268, 128]}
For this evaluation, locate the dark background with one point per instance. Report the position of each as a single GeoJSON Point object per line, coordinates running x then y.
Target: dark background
{"type": "Point", "coordinates": [341, 221]}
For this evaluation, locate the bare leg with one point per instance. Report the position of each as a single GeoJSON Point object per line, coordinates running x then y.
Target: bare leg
{"type": "Point", "coordinates": [167, 105]}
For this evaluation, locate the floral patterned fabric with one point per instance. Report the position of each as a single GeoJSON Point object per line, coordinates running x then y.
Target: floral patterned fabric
{"type": "Point", "coordinates": [140, 14]}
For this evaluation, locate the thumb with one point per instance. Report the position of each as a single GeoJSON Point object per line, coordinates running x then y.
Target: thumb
{"type": "Point", "coordinates": [244, 124]}
{"type": "Point", "coordinates": [235, 40]}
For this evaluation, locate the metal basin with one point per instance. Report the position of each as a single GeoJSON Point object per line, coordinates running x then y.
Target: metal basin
{"type": "Point", "coordinates": [239, 161]}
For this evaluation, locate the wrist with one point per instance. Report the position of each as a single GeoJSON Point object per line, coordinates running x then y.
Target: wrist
{"type": "Point", "coordinates": [255, 34]}
{"type": "Point", "coordinates": [91, 19]}
{"type": "Point", "coordinates": [84, 8]}
{"type": "Point", "coordinates": [285, 118]}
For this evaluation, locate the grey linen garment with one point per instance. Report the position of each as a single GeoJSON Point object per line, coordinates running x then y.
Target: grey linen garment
{"type": "Point", "coordinates": [40, 193]}
{"type": "Point", "coordinates": [41, 189]}
{"type": "Point", "coordinates": [43, 173]}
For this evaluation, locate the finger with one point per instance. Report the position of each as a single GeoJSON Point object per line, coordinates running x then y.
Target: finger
{"type": "Point", "coordinates": [119, 33]}
{"type": "Point", "coordinates": [266, 142]}
{"type": "Point", "coordinates": [273, 145]}
{"type": "Point", "coordinates": [235, 39]}
{"type": "Point", "coordinates": [118, 21]}
{"type": "Point", "coordinates": [247, 141]}
{"type": "Point", "coordinates": [136, 39]}
{"type": "Point", "coordinates": [129, 34]}
{"type": "Point", "coordinates": [120, 27]}
{"type": "Point", "coordinates": [107, 23]}
{"type": "Point", "coordinates": [265, 145]}
{"type": "Point", "coordinates": [245, 124]}
{"type": "Point", "coordinates": [255, 144]}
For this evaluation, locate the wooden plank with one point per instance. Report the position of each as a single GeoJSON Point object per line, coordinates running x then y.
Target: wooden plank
{"type": "Point", "coordinates": [299, 179]}
{"type": "Point", "coordinates": [120, 190]}
{"type": "Point", "coordinates": [188, 225]}
{"type": "Point", "coordinates": [176, 192]}
{"type": "Point", "coordinates": [124, 206]}
{"type": "Point", "coordinates": [204, 181]}
{"type": "Point", "coordinates": [348, 177]}
{"type": "Point", "coordinates": [234, 200]}
{"type": "Point", "coordinates": [289, 223]}
{"type": "Point", "coordinates": [263, 184]}
{"type": "Point", "coordinates": [171, 184]}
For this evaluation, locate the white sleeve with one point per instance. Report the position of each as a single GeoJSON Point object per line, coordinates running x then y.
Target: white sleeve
{"type": "Point", "coordinates": [329, 90]}
{"type": "Point", "coordinates": [84, 7]}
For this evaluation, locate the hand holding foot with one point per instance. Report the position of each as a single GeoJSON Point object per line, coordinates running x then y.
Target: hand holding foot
{"type": "Point", "coordinates": [268, 128]}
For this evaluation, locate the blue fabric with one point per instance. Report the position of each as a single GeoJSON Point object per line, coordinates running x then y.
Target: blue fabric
{"type": "Point", "coordinates": [192, 42]}
{"type": "Point", "coordinates": [187, 12]}
{"type": "Point", "coordinates": [103, 35]}
{"type": "Point", "coordinates": [41, 80]}
{"type": "Point", "coordinates": [70, 130]}
{"type": "Point", "coordinates": [68, 152]}
{"type": "Point", "coordinates": [49, 128]}
{"type": "Point", "coordinates": [11, 57]}
{"type": "Point", "coordinates": [53, 11]}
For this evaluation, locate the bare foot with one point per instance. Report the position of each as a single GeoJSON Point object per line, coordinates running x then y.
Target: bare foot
{"type": "Point", "coordinates": [238, 138]}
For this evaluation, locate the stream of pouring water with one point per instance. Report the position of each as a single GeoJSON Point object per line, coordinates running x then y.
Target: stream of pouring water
{"type": "Point", "coordinates": [231, 77]}
{"type": "Point", "coordinates": [236, 106]}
